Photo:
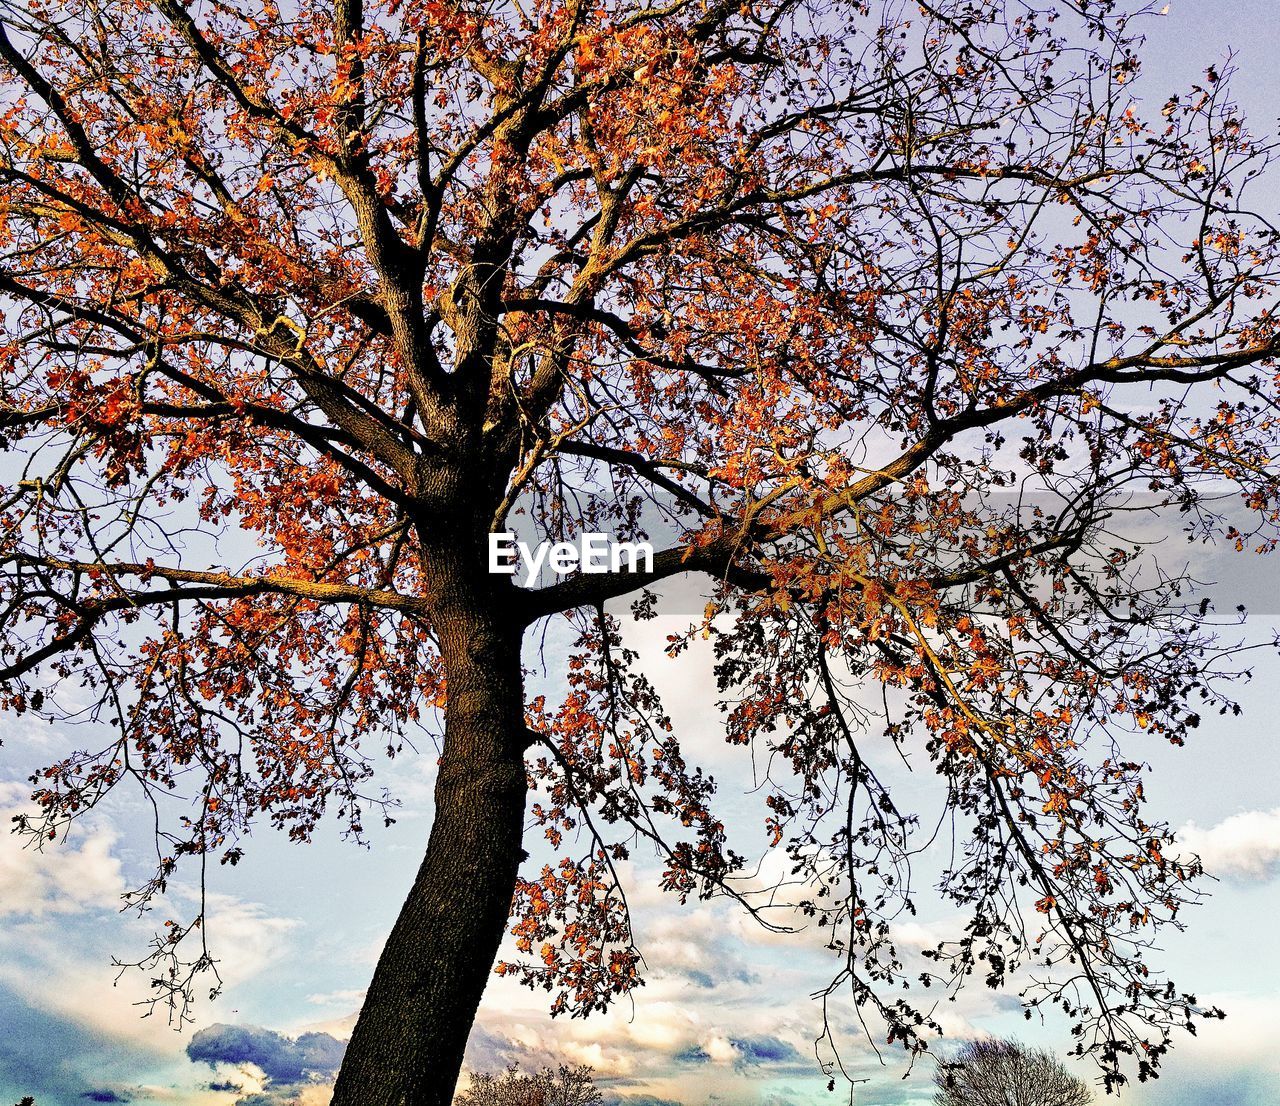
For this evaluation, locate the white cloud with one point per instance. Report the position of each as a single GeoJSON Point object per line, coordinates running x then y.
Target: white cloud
{"type": "Point", "coordinates": [67, 877]}
{"type": "Point", "coordinates": [75, 979]}
{"type": "Point", "coordinates": [341, 1027]}
{"type": "Point", "coordinates": [1230, 1061]}
{"type": "Point", "coordinates": [178, 1096]}
{"type": "Point", "coordinates": [1243, 848]}
{"type": "Point", "coordinates": [715, 1017]}
{"type": "Point", "coordinates": [348, 997]}
{"type": "Point", "coordinates": [720, 1050]}
{"type": "Point", "coordinates": [245, 937]}
{"type": "Point", "coordinates": [66, 968]}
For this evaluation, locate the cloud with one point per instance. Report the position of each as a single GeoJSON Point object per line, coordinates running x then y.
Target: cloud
{"type": "Point", "coordinates": [284, 1094]}
{"type": "Point", "coordinates": [68, 970]}
{"type": "Point", "coordinates": [1244, 848]}
{"type": "Point", "coordinates": [246, 937]}
{"type": "Point", "coordinates": [1228, 1063]}
{"type": "Point", "coordinates": [57, 947]}
{"type": "Point", "coordinates": [493, 1047]}
{"type": "Point", "coordinates": [71, 1028]}
{"type": "Point", "coordinates": [352, 996]}
{"type": "Point", "coordinates": [764, 1050]}
{"type": "Point", "coordinates": [694, 1054]}
{"type": "Point", "coordinates": [282, 1059]}
{"type": "Point", "coordinates": [274, 1069]}
{"type": "Point", "coordinates": [725, 1011]}
{"type": "Point", "coordinates": [70, 877]}
{"type": "Point", "coordinates": [62, 1062]}
{"type": "Point", "coordinates": [637, 1100]}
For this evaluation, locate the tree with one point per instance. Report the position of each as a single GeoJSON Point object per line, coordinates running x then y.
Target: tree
{"type": "Point", "coordinates": [1006, 1073]}
{"type": "Point", "coordinates": [564, 1087]}
{"type": "Point", "coordinates": [884, 314]}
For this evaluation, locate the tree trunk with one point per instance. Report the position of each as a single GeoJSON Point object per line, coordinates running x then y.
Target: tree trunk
{"type": "Point", "coordinates": [407, 1046]}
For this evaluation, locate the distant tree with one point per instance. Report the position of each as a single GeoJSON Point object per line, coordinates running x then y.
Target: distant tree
{"type": "Point", "coordinates": [1007, 1073]}
{"type": "Point", "coordinates": [565, 1087]}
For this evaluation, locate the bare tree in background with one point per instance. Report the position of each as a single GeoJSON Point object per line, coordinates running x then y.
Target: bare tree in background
{"type": "Point", "coordinates": [1007, 1073]}
{"type": "Point", "coordinates": [564, 1087]}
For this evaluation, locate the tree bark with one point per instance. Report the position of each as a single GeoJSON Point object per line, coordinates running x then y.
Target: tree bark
{"type": "Point", "coordinates": [407, 1046]}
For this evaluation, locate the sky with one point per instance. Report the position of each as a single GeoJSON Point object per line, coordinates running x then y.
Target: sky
{"type": "Point", "coordinates": [725, 1016]}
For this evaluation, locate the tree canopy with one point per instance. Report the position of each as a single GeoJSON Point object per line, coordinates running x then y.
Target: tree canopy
{"type": "Point", "coordinates": [565, 1086]}
{"type": "Point", "coordinates": [1006, 1073]}
{"type": "Point", "coordinates": [885, 317]}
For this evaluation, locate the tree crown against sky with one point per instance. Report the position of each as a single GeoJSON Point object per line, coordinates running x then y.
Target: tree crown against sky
{"type": "Point", "coordinates": [564, 1086]}
{"type": "Point", "coordinates": [1007, 1073]}
{"type": "Point", "coordinates": [887, 315]}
